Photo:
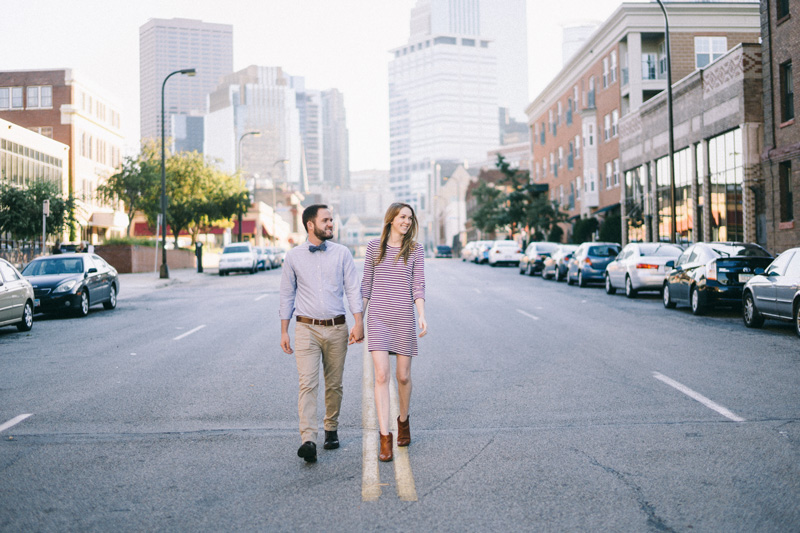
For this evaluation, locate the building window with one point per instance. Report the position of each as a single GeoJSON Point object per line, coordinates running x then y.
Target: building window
{"type": "Point", "coordinates": [542, 135]}
{"type": "Point", "coordinates": [649, 67]}
{"type": "Point", "coordinates": [708, 49]}
{"type": "Point", "coordinates": [783, 9]}
{"type": "Point", "coordinates": [5, 97]}
{"type": "Point", "coordinates": [444, 40]}
{"type": "Point", "coordinates": [561, 157]}
{"type": "Point", "coordinates": [605, 72]}
{"type": "Point", "coordinates": [613, 67]}
{"type": "Point", "coordinates": [787, 92]}
{"type": "Point", "coordinates": [558, 114]}
{"type": "Point", "coordinates": [785, 191]}
{"type": "Point", "coordinates": [616, 172]}
{"type": "Point", "coordinates": [467, 42]}
{"type": "Point", "coordinates": [575, 98]}
{"type": "Point", "coordinates": [609, 173]}
{"type": "Point", "coordinates": [569, 111]}
{"type": "Point", "coordinates": [16, 98]}
{"type": "Point", "coordinates": [577, 146]}
{"type": "Point", "coordinates": [662, 60]}
{"type": "Point", "coordinates": [571, 156]}
{"type": "Point", "coordinates": [591, 135]}
{"type": "Point", "coordinates": [614, 123]}
{"type": "Point", "coordinates": [606, 127]}
{"type": "Point", "coordinates": [726, 171]}
{"type": "Point", "coordinates": [40, 97]}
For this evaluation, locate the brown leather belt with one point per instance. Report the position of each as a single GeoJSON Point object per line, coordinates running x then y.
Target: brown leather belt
{"type": "Point", "coordinates": [335, 321]}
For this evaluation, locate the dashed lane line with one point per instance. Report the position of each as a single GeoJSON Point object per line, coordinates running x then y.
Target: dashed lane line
{"type": "Point", "coordinates": [14, 421]}
{"type": "Point", "coordinates": [520, 311]}
{"type": "Point", "coordinates": [699, 397]}
{"type": "Point", "coordinates": [183, 335]}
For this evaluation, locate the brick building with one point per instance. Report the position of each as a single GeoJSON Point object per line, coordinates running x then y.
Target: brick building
{"type": "Point", "coordinates": [575, 121]}
{"type": "Point", "coordinates": [61, 106]}
{"type": "Point", "coordinates": [780, 44]}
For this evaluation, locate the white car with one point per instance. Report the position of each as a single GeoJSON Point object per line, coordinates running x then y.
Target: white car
{"type": "Point", "coordinates": [238, 257]}
{"type": "Point", "coordinates": [640, 266]}
{"type": "Point", "coordinates": [508, 252]}
{"type": "Point", "coordinates": [16, 298]}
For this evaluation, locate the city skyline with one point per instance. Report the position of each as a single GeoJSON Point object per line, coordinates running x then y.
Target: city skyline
{"type": "Point", "coordinates": [347, 49]}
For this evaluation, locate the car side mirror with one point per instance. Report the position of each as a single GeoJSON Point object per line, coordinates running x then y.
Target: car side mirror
{"type": "Point", "coordinates": [670, 264]}
{"type": "Point", "coordinates": [759, 271]}
{"type": "Point", "coordinates": [92, 270]}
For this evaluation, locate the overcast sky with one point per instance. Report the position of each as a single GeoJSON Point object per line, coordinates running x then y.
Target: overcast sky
{"type": "Point", "coordinates": [333, 43]}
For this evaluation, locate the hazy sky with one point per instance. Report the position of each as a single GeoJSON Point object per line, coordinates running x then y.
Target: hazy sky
{"type": "Point", "coordinates": [333, 43]}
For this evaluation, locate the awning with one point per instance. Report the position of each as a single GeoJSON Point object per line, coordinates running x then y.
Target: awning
{"type": "Point", "coordinates": [606, 208]}
{"type": "Point", "coordinates": [108, 219]}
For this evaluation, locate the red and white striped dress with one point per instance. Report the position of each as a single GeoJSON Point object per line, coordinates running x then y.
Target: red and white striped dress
{"type": "Point", "coordinates": [391, 288]}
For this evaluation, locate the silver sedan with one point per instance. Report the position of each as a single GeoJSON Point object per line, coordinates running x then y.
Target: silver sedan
{"type": "Point", "coordinates": [16, 298]}
{"type": "Point", "coordinates": [640, 266]}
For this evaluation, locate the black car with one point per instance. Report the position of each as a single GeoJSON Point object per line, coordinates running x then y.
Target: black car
{"type": "Point", "coordinates": [710, 274]}
{"type": "Point", "coordinates": [72, 282]}
{"type": "Point", "coordinates": [444, 251]}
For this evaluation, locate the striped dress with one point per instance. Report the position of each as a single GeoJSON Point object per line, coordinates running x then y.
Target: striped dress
{"type": "Point", "coordinates": [391, 289]}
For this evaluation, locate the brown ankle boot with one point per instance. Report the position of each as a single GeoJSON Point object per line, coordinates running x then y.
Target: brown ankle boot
{"type": "Point", "coordinates": [403, 432]}
{"type": "Point", "coordinates": [386, 448]}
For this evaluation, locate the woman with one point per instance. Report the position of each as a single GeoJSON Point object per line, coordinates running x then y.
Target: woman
{"type": "Point", "coordinates": [394, 282]}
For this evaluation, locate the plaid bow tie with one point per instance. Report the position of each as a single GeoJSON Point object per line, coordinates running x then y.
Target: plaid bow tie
{"type": "Point", "coordinates": [320, 248]}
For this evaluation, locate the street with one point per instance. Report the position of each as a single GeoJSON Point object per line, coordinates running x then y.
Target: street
{"type": "Point", "coordinates": [536, 407]}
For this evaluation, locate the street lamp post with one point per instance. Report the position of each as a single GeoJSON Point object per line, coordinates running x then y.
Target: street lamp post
{"type": "Point", "coordinates": [274, 195]}
{"type": "Point", "coordinates": [254, 133]}
{"type": "Point", "coordinates": [673, 221]}
{"type": "Point", "coordinates": [164, 272]}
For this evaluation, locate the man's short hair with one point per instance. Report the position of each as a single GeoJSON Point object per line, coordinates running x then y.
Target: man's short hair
{"type": "Point", "coordinates": [310, 213]}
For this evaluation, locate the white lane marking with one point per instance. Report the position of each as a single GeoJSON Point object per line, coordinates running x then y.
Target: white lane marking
{"type": "Point", "coordinates": [195, 330]}
{"type": "Point", "coordinates": [14, 421]}
{"type": "Point", "coordinates": [699, 397]}
{"type": "Point", "coordinates": [520, 311]}
{"type": "Point", "coordinates": [261, 297]}
{"type": "Point", "coordinates": [370, 474]}
{"type": "Point", "coordinates": [406, 490]}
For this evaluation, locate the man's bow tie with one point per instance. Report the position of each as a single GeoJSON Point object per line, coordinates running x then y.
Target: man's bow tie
{"type": "Point", "coordinates": [320, 248]}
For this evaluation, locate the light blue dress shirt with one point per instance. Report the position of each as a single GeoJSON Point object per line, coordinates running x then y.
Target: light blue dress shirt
{"type": "Point", "coordinates": [314, 284]}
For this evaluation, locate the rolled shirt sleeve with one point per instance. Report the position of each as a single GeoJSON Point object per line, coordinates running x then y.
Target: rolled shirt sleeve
{"type": "Point", "coordinates": [417, 274]}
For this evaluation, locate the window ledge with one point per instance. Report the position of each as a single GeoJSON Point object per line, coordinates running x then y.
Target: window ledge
{"type": "Point", "coordinates": [787, 123]}
{"type": "Point", "coordinates": [786, 225]}
{"type": "Point", "coordinates": [783, 19]}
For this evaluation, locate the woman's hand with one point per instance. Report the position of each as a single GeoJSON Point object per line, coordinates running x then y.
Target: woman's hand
{"type": "Point", "coordinates": [423, 325]}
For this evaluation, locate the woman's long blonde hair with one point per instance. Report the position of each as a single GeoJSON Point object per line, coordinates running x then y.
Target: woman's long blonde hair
{"type": "Point", "coordinates": [408, 238]}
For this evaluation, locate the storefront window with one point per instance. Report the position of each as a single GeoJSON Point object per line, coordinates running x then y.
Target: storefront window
{"type": "Point", "coordinates": [726, 176]}
{"type": "Point", "coordinates": [634, 204]}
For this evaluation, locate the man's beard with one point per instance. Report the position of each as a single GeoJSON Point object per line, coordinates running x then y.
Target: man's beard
{"type": "Point", "coordinates": [320, 234]}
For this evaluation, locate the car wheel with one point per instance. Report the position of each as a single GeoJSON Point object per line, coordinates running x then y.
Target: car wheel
{"type": "Point", "coordinates": [558, 276]}
{"type": "Point", "coordinates": [610, 289]}
{"type": "Point", "coordinates": [521, 270]}
{"type": "Point", "coordinates": [253, 270]}
{"type": "Point", "coordinates": [112, 298]}
{"type": "Point", "coordinates": [752, 318]}
{"type": "Point", "coordinates": [221, 273]}
{"type": "Point", "coordinates": [695, 300]}
{"type": "Point", "coordinates": [528, 270]}
{"type": "Point", "coordinates": [668, 303]}
{"type": "Point", "coordinates": [581, 281]}
{"type": "Point", "coordinates": [83, 307]}
{"type": "Point", "coordinates": [797, 318]}
{"type": "Point", "coordinates": [630, 292]}
{"type": "Point", "coordinates": [27, 318]}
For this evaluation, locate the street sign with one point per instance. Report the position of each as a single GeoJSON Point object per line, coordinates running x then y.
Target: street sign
{"type": "Point", "coordinates": [46, 208]}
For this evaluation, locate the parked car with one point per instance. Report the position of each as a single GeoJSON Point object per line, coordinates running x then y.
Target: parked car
{"type": "Point", "coordinates": [640, 266]}
{"type": "Point", "coordinates": [16, 298]}
{"type": "Point", "coordinates": [468, 251]}
{"type": "Point", "coordinates": [557, 265]}
{"type": "Point", "coordinates": [532, 261]}
{"type": "Point", "coordinates": [505, 252]}
{"type": "Point", "coordinates": [774, 293]}
{"type": "Point", "coordinates": [72, 282]}
{"type": "Point", "coordinates": [589, 262]}
{"type": "Point", "coordinates": [444, 251]}
{"type": "Point", "coordinates": [278, 253]}
{"type": "Point", "coordinates": [709, 274]}
{"type": "Point", "coordinates": [264, 258]}
{"type": "Point", "coordinates": [482, 251]}
{"type": "Point", "coordinates": [238, 257]}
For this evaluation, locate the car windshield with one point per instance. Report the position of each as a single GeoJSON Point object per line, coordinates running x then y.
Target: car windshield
{"type": "Point", "coordinates": [547, 247]}
{"type": "Point", "coordinates": [236, 250]}
{"type": "Point", "coordinates": [739, 250]}
{"type": "Point", "coordinates": [54, 266]}
{"type": "Point", "coordinates": [603, 251]}
{"type": "Point", "coordinates": [659, 250]}
{"type": "Point", "coordinates": [506, 244]}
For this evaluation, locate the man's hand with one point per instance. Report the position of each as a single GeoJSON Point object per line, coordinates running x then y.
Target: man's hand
{"type": "Point", "coordinates": [286, 343]}
{"type": "Point", "coordinates": [356, 334]}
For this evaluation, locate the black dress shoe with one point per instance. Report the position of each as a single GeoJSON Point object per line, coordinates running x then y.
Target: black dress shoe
{"type": "Point", "coordinates": [331, 440]}
{"type": "Point", "coordinates": [308, 451]}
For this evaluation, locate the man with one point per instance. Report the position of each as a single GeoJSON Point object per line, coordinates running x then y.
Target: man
{"type": "Point", "coordinates": [315, 277]}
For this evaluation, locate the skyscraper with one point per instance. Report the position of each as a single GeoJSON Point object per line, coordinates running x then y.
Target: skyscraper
{"type": "Point", "coordinates": [167, 45]}
{"type": "Point", "coordinates": [336, 140]}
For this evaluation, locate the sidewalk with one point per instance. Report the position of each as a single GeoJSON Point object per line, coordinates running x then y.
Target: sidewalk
{"type": "Point", "coordinates": [144, 281]}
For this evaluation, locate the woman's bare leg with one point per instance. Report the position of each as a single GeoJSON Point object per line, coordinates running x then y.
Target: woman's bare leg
{"type": "Point", "coordinates": [382, 369]}
{"type": "Point", "coordinates": [403, 385]}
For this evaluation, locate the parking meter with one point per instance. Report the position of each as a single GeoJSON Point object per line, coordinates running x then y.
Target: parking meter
{"type": "Point", "coordinates": [198, 252]}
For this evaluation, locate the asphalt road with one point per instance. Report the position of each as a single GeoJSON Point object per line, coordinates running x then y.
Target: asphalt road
{"type": "Point", "coordinates": [536, 407]}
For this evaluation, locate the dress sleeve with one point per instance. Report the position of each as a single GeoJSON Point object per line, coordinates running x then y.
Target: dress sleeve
{"type": "Point", "coordinates": [418, 274]}
{"type": "Point", "coordinates": [369, 271]}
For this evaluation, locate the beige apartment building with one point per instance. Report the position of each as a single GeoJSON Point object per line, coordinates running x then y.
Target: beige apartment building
{"type": "Point", "coordinates": [575, 121]}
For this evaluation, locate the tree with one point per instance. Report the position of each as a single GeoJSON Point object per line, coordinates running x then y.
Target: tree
{"type": "Point", "coordinates": [21, 210]}
{"type": "Point", "coordinates": [611, 229]}
{"type": "Point", "coordinates": [583, 229]}
{"type": "Point", "coordinates": [489, 214]}
{"type": "Point", "coordinates": [138, 178]}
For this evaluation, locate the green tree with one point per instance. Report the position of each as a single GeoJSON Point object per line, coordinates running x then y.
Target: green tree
{"type": "Point", "coordinates": [21, 210]}
{"type": "Point", "coordinates": [138, 178]}
{"type": "Point", "coordinates": [489, 214]}
{"type": "Point", "coordinates": [611, 229]}
{"type": "Point", "coordinates": [583, 229]}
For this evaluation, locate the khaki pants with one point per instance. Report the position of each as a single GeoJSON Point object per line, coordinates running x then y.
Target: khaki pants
{"type": "Point", "coordinates": [312, 344]}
